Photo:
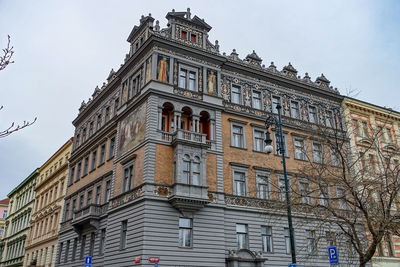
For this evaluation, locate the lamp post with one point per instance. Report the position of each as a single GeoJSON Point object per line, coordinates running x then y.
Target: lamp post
{"type": "Point", "coordinates": [271, 120]}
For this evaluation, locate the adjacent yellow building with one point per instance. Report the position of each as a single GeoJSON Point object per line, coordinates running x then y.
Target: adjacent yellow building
{"type": "Point", "coordinates": [50, 190]}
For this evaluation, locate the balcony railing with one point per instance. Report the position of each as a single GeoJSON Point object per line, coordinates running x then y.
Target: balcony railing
{"type": "Point", "coordinates": [189, 136]}
{"type": "Point", "coordinates": [126, 197]}
{"type": "Point", "coordinates": [242, 201]}
{"type": "Point", "coordinates": [93, 210]}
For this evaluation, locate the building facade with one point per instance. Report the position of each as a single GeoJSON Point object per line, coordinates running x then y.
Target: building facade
{"type": "Point", "coordinates": [41, 245]}
{"type": "Point", "coordinates": [3, 214]}
{"type": "Point", "coordinates": [373, 133]}
{"type": "Point", "coordinates": [22, 198]}
{"type": "Point", "coordinates": [168, 158]}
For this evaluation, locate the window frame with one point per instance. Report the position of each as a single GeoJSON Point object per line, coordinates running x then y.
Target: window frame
{"type": "Point", "coordinates": [236, 169]}
{"type": "Point", "coordinates": [239, 94]}
{"type": "Point", "coordinates": [295, 109]}
{"type": "Point", "coordinates": [311, 242]}
{"type": "Point", "coordinates": [260, 107]}
{"type": "Point", "coordinates": [182, 230]}
{"type": "Point", "coordinates": [321, 152]}
{"type": "Point", "coordinates": [243, 144]}
{"type": "Point", "coordinates": [315, 118]}
{"type": "Point", "coordinates": [278, 153]}
{"type": "Point", "coordinates": [188, 70]}
{"type": "Point", "coordinates": [102, 157]}
{"type": "Point", "coordinates": [258, 140]}
{"type": "Point", "coordinates": [127, 182]}
{"type": "Point", "coordinates": [239, 234]}
{"type": "Point", "coordinates": [265, 237]}
{"type": "Point", "coordinates": [123, 235]}
{"type": "Point", "coordinates": [273, 105]}
{"type": "Point", "coordinates": [303, 150]}
{"type": "Point", "coordinates": [266, 177]}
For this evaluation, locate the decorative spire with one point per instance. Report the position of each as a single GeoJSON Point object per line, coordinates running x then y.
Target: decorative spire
{"type": "Point", "coordinates": [96, 92]}
{"type": "Point", "coordinates": [272, 67]}
{"type": "Point", "coordinates": [111, 75]}
{"type": "Point", "coordinates": [254, 59]}
{"type": "Point", "coordinates": [307, 78]}
{"type": "Point", "coordinates": [322, 81]}
{"type": "Point", "coordinates": [290, 71]}
{"type": "Point", "coordinates": [234, 55]}
{"type": "Point", "coordinates": [157, 27]}
{"type": "Point", "coordinates": [216, 45]}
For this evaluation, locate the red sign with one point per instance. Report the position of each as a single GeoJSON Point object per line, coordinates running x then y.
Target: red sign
{"type": "Point", "coordinates": [154, 259]}
{"type": "Point", "coordinates": [137, 259]}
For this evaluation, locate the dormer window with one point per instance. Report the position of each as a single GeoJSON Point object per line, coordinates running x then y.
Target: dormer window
{"type": "Point", "coordinates": [184, 34]}
{"type": "Point", "coordinates": [193, 37]}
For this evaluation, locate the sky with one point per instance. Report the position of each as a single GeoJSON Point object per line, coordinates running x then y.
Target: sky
{"type": "Point", "coordinates": [63, 49]}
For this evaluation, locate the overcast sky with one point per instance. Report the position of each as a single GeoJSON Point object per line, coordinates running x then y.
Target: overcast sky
{"type": "Point", "coordinates": [63, 49]}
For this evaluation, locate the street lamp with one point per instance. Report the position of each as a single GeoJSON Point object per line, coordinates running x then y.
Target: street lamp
{"type": "Point", "coordinates": [272, 120]}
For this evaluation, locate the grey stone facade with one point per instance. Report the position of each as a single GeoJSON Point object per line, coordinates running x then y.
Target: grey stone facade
{"type": "Point", "coordinates": [150, 211]}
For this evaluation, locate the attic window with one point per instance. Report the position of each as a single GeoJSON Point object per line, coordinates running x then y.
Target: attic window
{"type": "Point", "coordinates": [193, 37]}
{"type": "Point", "coordinates": [183, 34]}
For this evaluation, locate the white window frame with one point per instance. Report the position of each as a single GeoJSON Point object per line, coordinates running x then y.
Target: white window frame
{"type": "Point", "coordinates": [239, 234]}
{"type": "Point", "coordinates": [315, 119]}
{"type": "Point", "coordinates": [191, 172]}
{"type": "Point", "coordinates": [267, 238]}
{"type": "Point", "coordinates": [305, 193]}
{"type": "Point", "coordinates": [273, 107]}
{"type": "Point", "coordinates": [266, 177]}
{"type": "Point", "coordinates": [253, 99]}
{"type": "Point", "coordinates": [297, 109]}
{"type": "Point", "coordinates": [236, 169]}
{"type": "Point", "coordinates": [304, 148]}
{"type": "Point", "coordinates": [311, 242]}
{"type": "Point", "coordinates": [258, 139]}
{"type": "Point", "coordinates": [314, 152]}
{"type": "Point", "coordinates": [188, 70]}
{"type": "Point", "coordinates": [281, 186]}
{"type": "Point", "coordinates": [127, 182]}
{"type": "Point", "coordinates": [183, 229]}
{"type": "Point", "coordinates": [239, 94]}
{"type": "Point", "coordinates": [278, 153]}
{"type": "Point", "coordinates": [243, 126]}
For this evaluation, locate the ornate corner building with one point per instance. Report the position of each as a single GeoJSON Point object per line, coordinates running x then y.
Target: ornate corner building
{"type": "Point", "coordinates": [3, 214]}
{"type": "Point", "coordinates": [168, 158]}
{"type": "Point", "coordinates": [41, 245]}
{"type": "Point", "coordinates": [22, 198]}
{"type": "Point", "coordinates": [373, 132]}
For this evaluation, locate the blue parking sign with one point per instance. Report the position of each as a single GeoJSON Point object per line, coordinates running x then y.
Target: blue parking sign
{"type": "Point", "coordinates": [292, 265]}
{"type": "Point", "coordinates": [88, 260]}
{"type": "Point", "coordinates": [333, 256]}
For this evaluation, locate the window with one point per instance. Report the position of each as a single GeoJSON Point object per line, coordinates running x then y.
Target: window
{"type": "Point", "coordinates": [311, 241]}
{"type": "Point", "coordinates": [66, 211]}
{"type": "Point", "coordinates": [329, 122]}
{"type": "Point", "coordinates": [188, 78]}
{"type": "Point", "coordinates": [237, 136]}
{"type": "Point", "coordinates": [282, 188]}
{"type": "Point", "coordinates": [304, 188]}
{"type": "Point", "coordinates": [97, 197]}
{"type": "Point", "coordinates": [85, 165]}
{"type": "Point", "coordinates": [317, 152]}
{"type": "Point", "coordinates": [80, 204]}
{"type": "Point", "coordinates": [299, 149]}
{"type": "Point", "coordinates": [92, 240]}
{"type": "Point", "coordinates": [66, 251]}
{"type": "Point", "coordinates": [128, 178]}
{"type": "Point", "coordinates": [277, 145]}
{"type": "Point", "coordinates": [135, 85]}
{"type": "Point", "coordinates": [98, 122]}
{"type": "Point", "coordinates": [340, 194]}
{"type": "Point", "coordinates": [83, 135]}
{"type": "Point", "coordinates": [90, 128]}
{"type": "Point", "coordinates": [185, 232]}
{"type": "Point", "coordinates": [74, 248]}
{"type": "Point", "coordinates": [83, 244]}
{"type": "Point", "coordinates": [287, 240]}
{"type": "Point", "coordinates": [275, 101]}
{"type": "Point", "coordinates": [389, 135]}
{"type": "Point", "coordinates": [60, 253]}
{"type": "Point", "coordinates": [331, 239]}
{"type": "Point", "coordinates": [235, 91]}
{"type": "Point", "coordinates": [196, 171]}
{"type": "Point", "coordinates": [102, 154]}
{"type": "Point", "coordinates": [78, 171]}
{"type": "Point", "coordinates": [365, 129]}
{"type": "Point", "coordinates": [184, 34]}
{"type": "Point", "coordinates": [312, 114]}
{"type": "Point", "coordinates": [239, 183]}
{"type": "Point", "coordinates": [4, 214]}
{"type": "Point", "coordinates": [241, 236]}
{"type": "Point", "coordinates": [111, 147]}
{"type": "Point", "coordinates": [256, 99]}
{"type": "Point", "coordinates": [372, 165]}
{"type": "Point", "coordinates": [193, 37]}
{"type": "Point", "coordinates": [116, 104]}
{"type": "Point", "coordinates": [356, 127]}
{"type": "Point", "coordinates": [259, 140]}
{"type": "Point", "coordinates": [124, 231]}
{"type": "Point", "coordinates": [94, 158]}
{"type": "Point", "coordinates": [334, 157]}
{"type": "Point", "coordinates": [294, 109]}
{"type": "Point", "coordinates": [323, 194]}
{"type": "Point", "coordinates": [266, 238]}
{"type": "Point", "coordinates": [262, 186]}
{"type": "Point", "coordinates": [102, 241]}
{"type": "Point", "coordinates": [73, 207]}
{"type": "Point", "coordinates": [89, 197]}
{"type": "Point", "coordinates": [107, 193]}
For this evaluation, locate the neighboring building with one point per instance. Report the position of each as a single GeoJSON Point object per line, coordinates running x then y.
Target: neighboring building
{"type": "Point", "coordinates": [369, 127]}
{"type": "Point", "coordinates": [168, 157]}
{"type": "Point", "coordinates": [22, 198]}
{"type": "Point", "coordinates": [41, 246]}
{"type": "Point", "coordinates": [3, 214]}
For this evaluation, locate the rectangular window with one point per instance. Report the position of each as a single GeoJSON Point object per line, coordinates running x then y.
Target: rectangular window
{"type": "Point", "coordinates": [329, 119]}
{"type": "Point", "coordinates": [278, 146]}
{"type": "Point", "coordinates": [102, 154]}
{"type": "Point", "coordinates": [312, 114]}
{"type": "Point", "coordinates": [66, 252]}
{"type": "Point", "coordinates": [299, 149]}
{"type": "Point", "coordinates": [262, 186]}
{"type": "Point", "coordinates": [193, 37]}
{"type": "Point", "coordinates": [102, 241]}
{"type": "Point", "coordinates": [196, 173]}
{"type": "Point", "coordinates": [334, 157]}
{"type": "Point", "coordinates": [107, 193]}
{"type": "Point", "coordinates": [74, 248]}
{"type": "Point", "coordinates": [237, 136]}
{"type": "Point", "coordinates": [188, 78]}
{"type": "Point", "coordinates": [287, 240]}
{"type": "Point", "coordinates": [239, 183]}
{"type": "Point", "coordinates": [294, 109]}
{"type": "Point", "coordinates": [71, 175]}
{"type": "Point", "coordinates": [92, 240]}
{"type": "Point", "coordinates": [111, 147]}
{"type": "Point", "coordinates": [124, 231]}
{"type": "Point", "coordinates": [256, 100]}
{"type": "Point", "coordinates": [241, 236]}
{"type": "Point", "coordinates": [78, 171]}
{"type": "Point", "coordinates": [186, 170]}
{"type": "Point", "coordinates": [323, 194]}
{"type": "Point", "coordinates": [356, 127]}
{"type": "Point", "coordinates": [97, 197]}
{"type": "Point", "coordinates": [311, 241]}
{"type": "Point", "coordinates": [365, 129]}
{"type": "Point", "coordinates": [98, 122]}
{"type": "Point", "coordinates": [90, 128]}
{"type": "Point", "coordinates": [66, 211]}
{"type": "Point", "coordinates": [235, 94]}
{"type": "Point", "coordinates": [94, 159]}
{"type": "Point", "coordinates": [60, 252]}
{"type": "Point", "coordinates": [83, 244]}
{"type": "Point", "coordinates": [317, 152]}
{"type": "Point", "coordinates": [259, 140]}
{"type": "Point", "coordinates": [85, 165]}
{"type": "Point", "coordinates": [89, 197]}
{"type": "Point", "coordinates": [281, 187]}
{"type": "Point", "coordinates": [340, 194]}
{"type": "Point", "coordinates": [192, 81]}
{"type": "Point", "coordinates": [331, 239]}
{"type": "Point", "coordinates": [305, 192]}
{"type": "Point", "coordinates": [107, 114]}
{"type": "Point", "coordinates": [73, 207]}
{"type": "Point", "coordinates": [266, 238]}
{"type": "Point", "coordinates": [185, 232]}
{"type": "Point", "coordinates": [389, 135]}
{"type": "Point", "coordinates": [184, 35]}
{"type": "Point", "coordinates": [80, 204]}
{"type": "Point", "coordinates": [275, 101]}
{"type": "Point", "coordinates": [128, 179]}
{"type": "Point", "coordinates": [182, 78]}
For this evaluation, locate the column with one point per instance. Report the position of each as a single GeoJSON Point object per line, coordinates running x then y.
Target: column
{"type": "Point", "coordinates": [159, 118]}
{"type": "Point", "coordinates": [212, 129]}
